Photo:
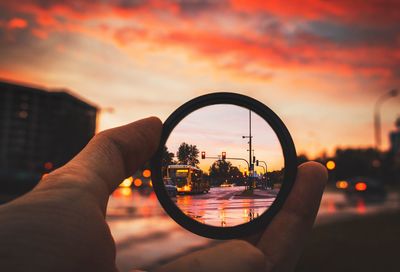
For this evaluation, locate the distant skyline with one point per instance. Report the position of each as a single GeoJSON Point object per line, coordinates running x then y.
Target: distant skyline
{"type": "Point", "coordinates": [319, 65]}
{"type": "Point", "coordinates": [219, 128]}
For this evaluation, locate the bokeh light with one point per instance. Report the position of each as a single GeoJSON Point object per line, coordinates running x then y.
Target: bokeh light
{"type": "Point", "coordinates": [138, 182]}
{"type": "Point", "coordinates": [331, 165]}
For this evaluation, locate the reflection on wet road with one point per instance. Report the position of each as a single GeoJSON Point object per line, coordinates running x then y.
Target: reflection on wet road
{"type": "Point", "coordinates": [226, 206]}
{"type": "Point", "coordinates": [146, 237]}
{"type": "Point", "coordinates": [336, 206]}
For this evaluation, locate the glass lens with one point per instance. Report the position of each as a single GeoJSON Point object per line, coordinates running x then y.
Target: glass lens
{"type": "Point", "coordinates": [223, 165]}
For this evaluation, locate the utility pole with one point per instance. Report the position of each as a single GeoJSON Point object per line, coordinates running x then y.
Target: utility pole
{"type": "Point", "coordinates": [251, 165]}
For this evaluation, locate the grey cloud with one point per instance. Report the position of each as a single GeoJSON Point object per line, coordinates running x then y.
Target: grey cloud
{"type": "Point", "coordinates": [353, 34]}
{"type": "Point", "coordinates": [193, 7]}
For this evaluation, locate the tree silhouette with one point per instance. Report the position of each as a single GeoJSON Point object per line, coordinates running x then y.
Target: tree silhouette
{"type": "Point", "coordinates": [188, 154]}
{"type": "Point", "coordinates": [220, 171]}
{"type": "Point", "coordinates": [220, 168]}
{"type": "Point", "coordinates": [167, 157]}
{"type": "Point", "coordinates": [235, 172]}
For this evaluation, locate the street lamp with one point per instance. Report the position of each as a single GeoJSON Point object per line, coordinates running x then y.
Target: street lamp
{"type": "Point", "coordinates": [377, 115]}
{"type": "Point", "coordinates": [266, 166]}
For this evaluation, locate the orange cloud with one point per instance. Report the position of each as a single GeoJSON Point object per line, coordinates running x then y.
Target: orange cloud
{"type": "Point", "coordinates": [253, 38]}
{"type": "Point", "coordinates": [276, 53]}
{"type": "Point", "coordinates": [17, 23]}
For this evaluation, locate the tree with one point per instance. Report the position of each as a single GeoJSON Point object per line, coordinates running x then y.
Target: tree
{"type": "Point", "coordinates": [220, 171]}
{"type": "Point", "coordinates": [276, 176]}
{"type": "Point", "coordinates": [188, 154]}
{"type": "Point", "coordinates": [235, 172]}
{"type": "Point", "coordinates": [236, 175]}
{"type": "Point", "coordinates": [167, 157]}
{"type": "Point", "coordinates": [302, 158]}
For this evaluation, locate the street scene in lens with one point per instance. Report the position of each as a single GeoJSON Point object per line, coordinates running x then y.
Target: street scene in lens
{"type": "Point", "coordinates": [228, 174]}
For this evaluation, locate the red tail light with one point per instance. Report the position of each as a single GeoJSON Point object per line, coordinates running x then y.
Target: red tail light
{"type": "Point", "coordinates": [360, 186]}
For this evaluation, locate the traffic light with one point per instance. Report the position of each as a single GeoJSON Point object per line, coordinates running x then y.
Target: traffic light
{"type": "Point", "coordinates": [257, 162]}
{"type": "Point", "coordinates": [223, 155]}
{"type": "Point", "coordinates": [203, 155]}
{"type": "Point", "coordinates": [254, 159]}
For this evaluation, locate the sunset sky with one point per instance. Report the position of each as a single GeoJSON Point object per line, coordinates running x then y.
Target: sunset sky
{"type": "Point", "coordinates": [219, 128]}
{"type": "Point", "coordinates": [320, 65]}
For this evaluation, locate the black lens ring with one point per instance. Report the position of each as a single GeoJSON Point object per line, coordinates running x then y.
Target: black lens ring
{"type": "Point", "coordinates": [290, 159]}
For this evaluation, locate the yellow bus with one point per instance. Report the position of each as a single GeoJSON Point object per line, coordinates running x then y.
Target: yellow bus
{"type": "Point", "coordinates": [187, 179]}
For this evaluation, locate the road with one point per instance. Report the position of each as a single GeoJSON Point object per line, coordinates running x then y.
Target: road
{"type": "Point", "coordinates": [225, 206]}
{"type": "Point", "coordinates": [146, 237]}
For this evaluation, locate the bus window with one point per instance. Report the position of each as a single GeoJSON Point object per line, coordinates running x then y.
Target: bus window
{"type": "Point", "coordinates": [181, 173]}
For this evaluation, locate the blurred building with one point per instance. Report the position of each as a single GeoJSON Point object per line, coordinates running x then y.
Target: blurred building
{"type": "Point", "coordinates": [395, 139]}
{"type": "Point", "coordinates": [40, 130]}
{"type": "Point", "coordinates": [392, 170]}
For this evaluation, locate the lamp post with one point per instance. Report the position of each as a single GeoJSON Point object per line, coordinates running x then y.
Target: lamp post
{"type": "Point", "coordinates": [266, 172]}
{"type": "Point", "coordinates": [377, 115]}
{"type": "Point", "coordinates": [251, 166]}
{"type": "Point", "coordinates": [263, 169]}
{"type": "Point", "coordinates": [266, 167]}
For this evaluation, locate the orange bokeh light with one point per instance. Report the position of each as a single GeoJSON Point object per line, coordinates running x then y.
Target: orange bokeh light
{"type": "Point", "coordinates": [342, 184]}
{"type": "Point", "coordinates": [361, 186]}
{"type": "Point", "coordinates": [138, 182]}
{"type": "Point", "coordinates": [126, 191]}
{"type": "Point", "coordinates": [146, 173]}
{"type": "Point", "coordinates": [331, 165]}
{"type": "Point", "coordinates": [126, 182]}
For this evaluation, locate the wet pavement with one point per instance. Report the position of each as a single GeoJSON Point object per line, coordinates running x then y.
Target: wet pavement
{"type": "Point", "coordinates": [146, 237]}
{"type": "Point", "coordinates": [226, 206]}
{"type": "Point", "coordinates": [337, 206]}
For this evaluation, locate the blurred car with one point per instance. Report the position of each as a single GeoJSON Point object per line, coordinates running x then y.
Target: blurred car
{"type": "Point", "coordinates": [172, 191]}
{"type": "Point", "coordinates": [226, 184]}
{"type": "Point", "coordinates": [370, 189]}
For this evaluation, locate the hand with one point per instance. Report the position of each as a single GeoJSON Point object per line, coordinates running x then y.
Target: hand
{"type": "Point", "coordinates": [279, 247]}
{"type": "Point", "coordinates": [60, 226]}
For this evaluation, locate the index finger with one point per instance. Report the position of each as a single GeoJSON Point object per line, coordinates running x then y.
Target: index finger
{"type": "Point", "coordinates": [109, 157]}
